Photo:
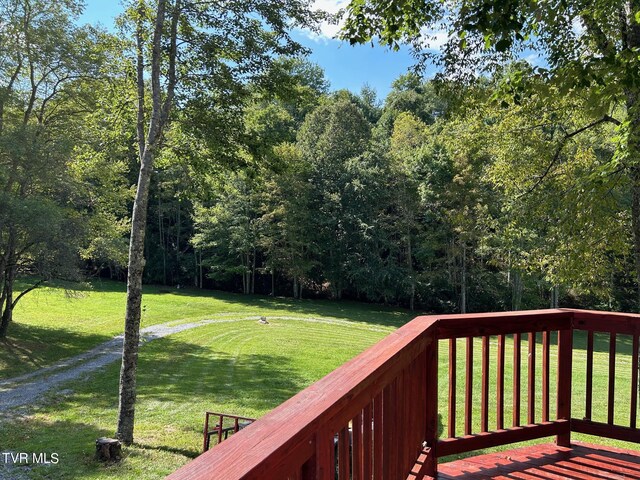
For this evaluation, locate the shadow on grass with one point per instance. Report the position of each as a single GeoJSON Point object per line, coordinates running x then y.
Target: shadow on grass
{"type": "Point", "coordinates": [72, 441]}
{"type": "Point", "coordinates": [624, 343]}
{"type": "Point", "coordinates": [179, 372]}
{"type": "Point", "coordinates": [349, 310]}
{"type": "Point", "coordinates": [29, 346]}
{"type": "Point", "coordinates": [177, 382]}
{"type": "Point", "coordinates": [352, 310]}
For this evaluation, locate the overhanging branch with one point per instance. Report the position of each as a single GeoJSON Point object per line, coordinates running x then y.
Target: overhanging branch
{"type": "Point", "coordinates": [24, 292]}
{"type": "Point", "coordinates": [563, 142]}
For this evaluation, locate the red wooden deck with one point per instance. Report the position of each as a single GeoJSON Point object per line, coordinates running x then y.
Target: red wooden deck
{"type": "Point", "coordinates": [378, 416]}
{"type": "Point", "coordinates": [547, 461]}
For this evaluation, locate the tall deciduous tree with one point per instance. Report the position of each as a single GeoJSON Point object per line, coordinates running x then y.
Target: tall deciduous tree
{"type": "Point", "coordinates": [331, 137]}
{"type": "Point", "coordinates": [589, 47]}
{"type": "Point", "coordinates": [199, 55]}
{"type": "Point", "coordinates": [46, 63]}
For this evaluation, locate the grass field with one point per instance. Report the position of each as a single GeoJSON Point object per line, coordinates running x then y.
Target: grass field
{"type": "Point", "coordinates": [238, 367]}
{"type": "Point", "coordinates": [54, 322]}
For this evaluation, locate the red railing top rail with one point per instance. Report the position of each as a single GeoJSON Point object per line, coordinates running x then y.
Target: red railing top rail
{"type": "Point", "coordinates": [610, 322]}
{"type": "Point", "coordinates": [287, 435]}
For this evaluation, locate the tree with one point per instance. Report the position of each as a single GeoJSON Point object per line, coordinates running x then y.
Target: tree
{"type": "Point", "coordinates": [331, 137]}
{"type": "Point", "coordinates": [573, 228]}
{"type": "Point", "coordinates": [586, 47]}
{"type": "Point", "coordinates": [201, 56]}
{"type": "Point", "coordinates": [228, 229]}
{"type": "Point", "coordinates": [47, 64]}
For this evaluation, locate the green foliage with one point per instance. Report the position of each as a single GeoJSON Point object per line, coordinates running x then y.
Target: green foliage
{"type": "Point", "coordinates": [47, 71]}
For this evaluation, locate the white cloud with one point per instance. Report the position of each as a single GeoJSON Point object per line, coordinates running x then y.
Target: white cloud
{"type": "Point", "coordinates": [327, 31]}
{"type": "Point", "coordinates": [578, 26]}
{"type": "Point", "coordinates": [534, 59]}
{"type": "Point", "coordinates": [434, 39]}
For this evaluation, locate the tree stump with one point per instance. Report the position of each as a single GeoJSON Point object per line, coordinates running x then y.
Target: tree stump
{"type": "Point", "coordinates": [108, 449]}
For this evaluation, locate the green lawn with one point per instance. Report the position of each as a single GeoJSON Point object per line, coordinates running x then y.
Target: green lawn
{"type": "Point", "coordinates": [53, 323]}
{"type": "Point", "coordinates": [238, 367]}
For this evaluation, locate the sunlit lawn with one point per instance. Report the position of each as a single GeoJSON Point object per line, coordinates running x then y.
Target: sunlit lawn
{"type": "Point", "coordinates": [53, 323]}
{"type": "Point", "coordinates": [239, 367]}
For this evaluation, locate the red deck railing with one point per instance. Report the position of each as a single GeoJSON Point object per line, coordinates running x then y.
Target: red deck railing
{"type": "Point", "coordinates": [376, 417]}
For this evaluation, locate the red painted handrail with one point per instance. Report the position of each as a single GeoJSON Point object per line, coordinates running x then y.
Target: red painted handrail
{"type": "Point", "coordinates": [376, 417]}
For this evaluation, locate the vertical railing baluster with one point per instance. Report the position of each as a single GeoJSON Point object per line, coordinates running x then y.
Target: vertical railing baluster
{"type": "Point", "coordinates": [296, 475]}
{"type": "Point", "coordinates": [516, 378]}
{"type": "Point", "coordinates": [546, 343]}
{"type": "Point", "coordinates": [612, 377]}
{"type": "Point", "coordinates": [325, 455]}
{"type": "Point", "coordinates": [367, 441]}
{"type": "Point", "coordinates": [634, 381]}
{"type": "Point", "coordinates": [531, 412]}
{"type": "Point", "coordinates": [589, 386]}
{"type": "Point", "coordinates": [387, 426]}
{"type": "Point", "coordinates": [484, 416]}
{"type": "Point", "coordinates": [309, 469]}
{"type": "Point", "coordinates": [399, 413]}
{"type": "Point", "coordinates": [565, 357]}
{"type": "Point", "coordinates": [343, 454]}
{"type": "Point", "coordinates": [357, 450]}
{"type": "Point", "coordinates": [378, 445]}
{"type": "Point", "coordinates": [468, 399]}
{"type": "Point", "coordinates": [431, 407]}
{"type": "Point", "coordinates": [452, 388]}
{"type": "Point", "coordinates": [500, 384]}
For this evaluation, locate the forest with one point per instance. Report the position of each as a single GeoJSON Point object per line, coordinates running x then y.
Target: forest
{"type": "Point", "coordinates": [443, 196]}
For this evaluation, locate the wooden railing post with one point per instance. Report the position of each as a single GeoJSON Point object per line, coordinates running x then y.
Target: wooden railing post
{"type": "Point", "coordinates": [325, 457]}
{"type": "Point", "coordinates": [565, 355]}
{"type": "Point", "coordinates": [431, 427]}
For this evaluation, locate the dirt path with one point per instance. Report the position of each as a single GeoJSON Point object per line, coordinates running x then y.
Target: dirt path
{"type": "Point", "coordinates": [27, 389]}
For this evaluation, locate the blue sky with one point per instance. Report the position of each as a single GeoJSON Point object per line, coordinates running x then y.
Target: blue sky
{"type": "Point", "coordinates": [345, 66]}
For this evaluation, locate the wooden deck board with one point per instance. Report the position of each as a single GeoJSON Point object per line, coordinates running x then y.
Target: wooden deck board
{"type": "Point", "coordinates": [547, 461]}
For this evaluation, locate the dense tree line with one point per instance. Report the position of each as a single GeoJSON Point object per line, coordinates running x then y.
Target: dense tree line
{"type": "Point", "coordinates": [428, 200]}
{"type": "Point", "coordinates": [441, 197]}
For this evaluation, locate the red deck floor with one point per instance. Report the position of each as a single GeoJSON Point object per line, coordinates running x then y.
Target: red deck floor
{"type": "Point", "coordinates": [547, 461]}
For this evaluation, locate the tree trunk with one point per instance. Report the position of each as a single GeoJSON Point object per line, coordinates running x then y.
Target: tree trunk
{"type": "Point", "coordinates": [463, 281]}
{"type": "Point", "coordinates": [253, 272]}
{"type": "Point", "coordinates": [634, 173]}
{"type": "Point", "coordinates": [412, 279]}
{"type": "Point", "coordinates": [127, 392]}
{"type": "Point", "coordinates": [295, 287]}
{"type": "Point", "coordinates": [633, 146]}
{"type": "Point", "coordinates": [555, 294]}
{"type": "Point", "coordinates": [178, 235]}
{"type": "Point", "coordinates": [163, 243]}
{"type": "Point", "coordinates": [273, 282]}
{"type": "Point", "coordinates": [195, 268]}
{"type": "Point", "coordinates": [9, 278]}
{"type": "Point", "coordinates": [159, 119]}
{"type": "Point", "coordinates": [516, 292]}
{"type": "Point", "coordinates": [7, 312]}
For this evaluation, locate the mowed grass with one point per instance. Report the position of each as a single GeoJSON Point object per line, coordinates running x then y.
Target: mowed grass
{"type": "Point", "coordinates": [246, 368]}
{"type": "Point", "coordinates": [600, 404]}
{"type": "Point", "coordinates": [56, 322]}
{"type": "Point", "coordinates": [236, 366]}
